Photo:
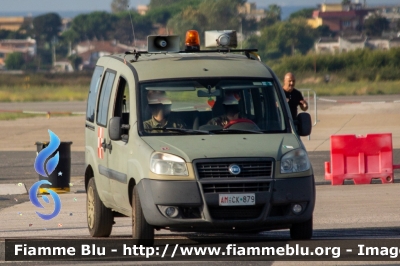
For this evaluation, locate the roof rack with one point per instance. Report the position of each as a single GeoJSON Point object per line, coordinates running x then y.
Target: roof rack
{"type": "Point", "coordinates": [248, 52]}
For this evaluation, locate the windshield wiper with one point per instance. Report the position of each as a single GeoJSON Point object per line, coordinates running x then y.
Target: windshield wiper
{"type": "Point", "coordinates": [180, 130]}
{"type": "Point", "coordinates": [271, 131]}
{"type": "Point", "coordinates": [235, 131]}
{"type": "Point", "coordinates": [206, 132]}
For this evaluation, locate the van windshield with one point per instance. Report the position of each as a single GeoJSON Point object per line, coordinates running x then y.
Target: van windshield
{"type": "Point", "coordinates": [223, 106]}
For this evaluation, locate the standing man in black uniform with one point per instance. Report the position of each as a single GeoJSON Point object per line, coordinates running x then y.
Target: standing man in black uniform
{"type": "Point", "coordinates": [293, 96]}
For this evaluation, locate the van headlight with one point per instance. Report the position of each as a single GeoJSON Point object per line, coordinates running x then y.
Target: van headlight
{"type": "Point", "coordinates": [167, 164]}
{"type": "Point", "coordinates": [295, 161]}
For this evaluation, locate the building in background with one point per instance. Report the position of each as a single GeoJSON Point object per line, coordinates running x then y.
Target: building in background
{"type": "Point", "coordinates": [91, 51]}
{"type": "Point", "coordinates": [340, 18]}
{"type": "Point", "coordinates": [26, 47]}
{"type": "Point", "coordinates": [142, 9]}
{"type": "Point", "coordinates": [392, 14]}
{"type": "Point", "coordinates": [341, 44]}
{"type": "Point", "coordinates": [251, 12]}
{"type": "Point", "coordinates": [13, 23]}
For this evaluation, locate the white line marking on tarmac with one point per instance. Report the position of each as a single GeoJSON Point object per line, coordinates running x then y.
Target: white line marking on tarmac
{"type": "Point", "coordinates": [33, 112]}
{"type": "Point", "coordinates": [372, 102]}
{"type": "Point", "coordinates": [327, 100]}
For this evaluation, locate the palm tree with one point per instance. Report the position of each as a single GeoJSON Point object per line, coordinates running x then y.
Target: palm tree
{"type": "Point", "coordinates": [275, 11]}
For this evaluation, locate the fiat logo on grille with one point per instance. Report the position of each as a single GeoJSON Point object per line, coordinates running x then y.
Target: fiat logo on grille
{"type": "Point", "coordinates": [234, 169]}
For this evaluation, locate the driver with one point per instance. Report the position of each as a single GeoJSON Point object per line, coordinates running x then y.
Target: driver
{"type": "Point", "coordinates": [160, 108]}
{"type": "Point", "coordinates": [232, 111]}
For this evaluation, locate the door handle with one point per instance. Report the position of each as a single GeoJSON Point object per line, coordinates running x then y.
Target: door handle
{"type": "Point", "coordinates": [106, 146]}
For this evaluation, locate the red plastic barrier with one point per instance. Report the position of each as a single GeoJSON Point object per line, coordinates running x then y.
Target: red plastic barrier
{"type": "Point", "coordinates": [361, 158]}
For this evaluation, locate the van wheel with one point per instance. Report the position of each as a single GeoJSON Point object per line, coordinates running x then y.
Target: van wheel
{"type": "Point", "coordinates": [99, 217]}
{"type": "Point", "coordinates": [142, 232]}
{"type": "Point", "coordinates": [302, 231]}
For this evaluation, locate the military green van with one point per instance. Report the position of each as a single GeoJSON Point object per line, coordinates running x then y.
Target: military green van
{"type": "Point", "coordinates": [198, 140]}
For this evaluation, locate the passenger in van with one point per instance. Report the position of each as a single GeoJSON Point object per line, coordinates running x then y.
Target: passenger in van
{"type": "Point", "coordinates": [231, 108]}
{"type": "Point", "coordinates": [160, 108]}
{"type": "Point", "coordinates": [293, 96]}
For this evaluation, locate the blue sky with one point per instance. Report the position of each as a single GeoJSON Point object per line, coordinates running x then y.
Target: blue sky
{"type": "Point", "coordinates": [92, 5]}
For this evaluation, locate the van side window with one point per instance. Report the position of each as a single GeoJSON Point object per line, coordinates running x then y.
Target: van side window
{"type": "Point", "coordinates": [94, 86]}
{"type": "Point", "coordinates": [104, 100]}
{"type": "Point", "coordinates": [122, 99]}
{"type": "Point", "coordinates": [121, 107]}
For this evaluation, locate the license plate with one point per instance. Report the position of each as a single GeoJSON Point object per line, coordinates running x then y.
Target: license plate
{"type": "Point", "coordinates": [237, 199]}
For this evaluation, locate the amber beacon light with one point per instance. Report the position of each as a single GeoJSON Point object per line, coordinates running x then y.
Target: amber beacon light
{"type": "Point", "coordinates": [192, 41]}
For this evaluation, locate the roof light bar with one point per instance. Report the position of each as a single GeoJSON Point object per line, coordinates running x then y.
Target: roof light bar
{"type": "Point", "coordinates": [192, 41]}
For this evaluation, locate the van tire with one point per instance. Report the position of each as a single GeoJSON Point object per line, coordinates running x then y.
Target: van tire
{"type": "Point", "coordinates": [302, 231]}
{"type": "Point", "coordinates": [99, 218]}
{"type": "Point", "coordinates": [142, 232]}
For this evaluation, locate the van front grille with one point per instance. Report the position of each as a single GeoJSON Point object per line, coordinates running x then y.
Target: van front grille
{"type": "Point", "coordinates": [247, 169]}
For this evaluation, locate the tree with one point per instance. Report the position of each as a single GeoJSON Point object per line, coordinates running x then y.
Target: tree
{"type": "Point", "coordinates": [14, 61]}
{"type": "Point", "coordinates": [70, 36]}
{"type": "Point", "coordinates": [303, 36]}
{"type": "Point", "coordinates": [4, 34]}
{"type": "Point", "coordinates": [249, 25]}
{"type": "Point", "coordinates": [323, 31]}
{"type": "Point", "coordinates": [273, 15]}
{"type": "Point", "coordinates": [302, 13]}
{"type": "Point", "coordinates": [119, 5]}
{"type": "Point", "coordinates": [210, 15]}
{"type": "Point", "coordinates": [162, 3]}
{"type": "Point", "coordinates": [274, 11]}
{"type": "Point", "coordinates": [46, 27]}
{"type": "Point", "coordinates": [75, 61]}
{"type": "Point", "coordinates": [96, 25]}
{"type": "Point", "coordinates": [160, 11]}
{"type": "Point", "coordinates": [123, 27]}
{"type": "Point", "coordinates": [189, 19]}
{"type": "Point", "coordinates": [17, 35]}
{"type": "Point", "coordinates": [285, 38]}
{"type": "Point", "coordinates": [375, 25]}
{"type": "Point", "coordinates": [346, 2]}
{"type": "Point", "coordinates": [168, 3]}
{"type": "Point", "coordinates": [221, 14]}
{"type": "Point", "coordinates": [161, 15]}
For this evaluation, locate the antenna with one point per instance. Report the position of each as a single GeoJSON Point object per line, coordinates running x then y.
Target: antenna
{"type": "Point", "coordinates": [133, 30]}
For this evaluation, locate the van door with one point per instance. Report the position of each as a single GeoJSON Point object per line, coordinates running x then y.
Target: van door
{"type": "Point", "coordinates": [103, 141]}
{"type": "Point", "coordinates": [119, 155]}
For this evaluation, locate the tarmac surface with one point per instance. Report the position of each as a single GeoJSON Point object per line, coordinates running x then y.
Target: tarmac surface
{"type": "Point", "coordinates": [349, 211]}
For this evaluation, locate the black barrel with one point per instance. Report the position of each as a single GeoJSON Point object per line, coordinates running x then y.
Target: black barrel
{"type": "Point", "coordinates": [61, 176]}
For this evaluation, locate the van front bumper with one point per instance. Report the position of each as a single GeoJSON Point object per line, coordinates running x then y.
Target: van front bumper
{"type": "Point", "coordinates": [200, 211]}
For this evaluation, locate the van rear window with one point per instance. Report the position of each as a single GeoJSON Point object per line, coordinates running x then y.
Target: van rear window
{"type": "Point", "coordinates": [94, 87]}
{"type": "Point", "coordinates": [104, 100]}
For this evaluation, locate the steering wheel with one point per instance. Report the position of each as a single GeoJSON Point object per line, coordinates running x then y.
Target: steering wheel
{"type": "Point", "coordinates": [237, 121]}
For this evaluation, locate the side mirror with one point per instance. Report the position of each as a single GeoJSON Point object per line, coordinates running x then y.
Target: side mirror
{"type": "Point", "coordinates": [304, 124]}
{"type": "Point", "coordinates": [114, 128]}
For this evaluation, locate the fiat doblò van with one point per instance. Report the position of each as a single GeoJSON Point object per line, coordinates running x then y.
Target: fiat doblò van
{"type": "Point", "coordinates": [194, 140]}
